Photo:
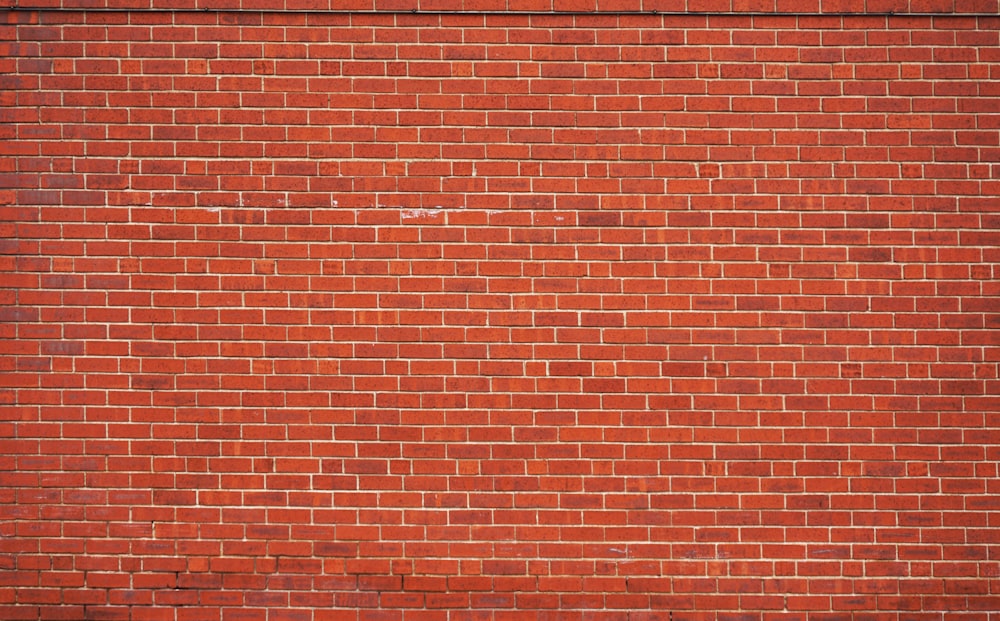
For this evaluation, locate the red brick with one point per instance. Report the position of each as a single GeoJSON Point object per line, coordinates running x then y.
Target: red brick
{"type": "Point", "coordinates": [529, 310]}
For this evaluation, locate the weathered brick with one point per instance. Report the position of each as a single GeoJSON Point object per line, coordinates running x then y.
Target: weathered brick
{"type": "Point", "coordinates": [428, 309]}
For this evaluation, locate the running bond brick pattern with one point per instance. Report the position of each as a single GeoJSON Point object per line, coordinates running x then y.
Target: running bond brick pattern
{"type": "Point", "coordinates": [418, 316]}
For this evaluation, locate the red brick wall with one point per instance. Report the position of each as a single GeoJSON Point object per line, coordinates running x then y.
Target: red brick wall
{"type": "Point", "coordinates": [383, 315]}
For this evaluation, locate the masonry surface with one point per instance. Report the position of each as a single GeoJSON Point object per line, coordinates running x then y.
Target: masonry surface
{"type": "Point", "coordinates": [533, 315]}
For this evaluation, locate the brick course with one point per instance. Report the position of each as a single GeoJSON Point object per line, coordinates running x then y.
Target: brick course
{"type": "Point", "coordinates": [529, 310]}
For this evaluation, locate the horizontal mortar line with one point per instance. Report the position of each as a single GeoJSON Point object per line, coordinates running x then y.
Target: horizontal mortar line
{"type": "Point", "coordinates": [464, 443]}
{"type": "Point", "coordinates": [408, 221]}
{"type": "Point", "coordinates": [263, 390]}
{"type": "Point", "coordinates": [572, 13]}
{"type": "Point", "coordinates": [583, 244]}
{"type": "Point", "coordinates": [482, 210]}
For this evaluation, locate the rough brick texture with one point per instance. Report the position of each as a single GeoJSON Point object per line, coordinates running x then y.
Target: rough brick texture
{"type": "Point", "coordinates": [378, 315]}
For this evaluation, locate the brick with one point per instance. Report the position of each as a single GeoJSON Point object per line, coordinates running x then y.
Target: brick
{"type": "Point", "coordinates": [498, 310]}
